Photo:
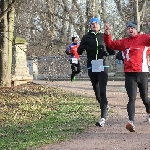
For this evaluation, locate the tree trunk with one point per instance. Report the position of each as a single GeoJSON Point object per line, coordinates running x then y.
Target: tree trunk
{"type": "Point", "coordinates": [11, 36]}
{"type": "Point", "coordinates": [137, 14]}
{"type": "Point", "coordinates": [103, 14]}
{"type": "Point", "coordinates": [4, 53]}
{"type": "Point", "coordinates": [90, 11]}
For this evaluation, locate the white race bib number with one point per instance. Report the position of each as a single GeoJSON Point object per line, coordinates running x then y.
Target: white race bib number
{"type": "Point", "coordinates": [97, 65]}
{"type": "Point", "coordinates": [74, 60]}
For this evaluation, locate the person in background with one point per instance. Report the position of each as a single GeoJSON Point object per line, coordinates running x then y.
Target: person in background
{"type": "Point", "coordinates": [119, 56]}
{"type": "Point", "coordinates": [97, 63]}
{"type": "Point", "coordinates": [74, 57]}
{"type": "Point", "coordinates": [135, 50]}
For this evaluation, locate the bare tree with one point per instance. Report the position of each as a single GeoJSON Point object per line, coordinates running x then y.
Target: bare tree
{"type": "Point", "coordinates": [133, 11]}
{"type": "Point", "coordinates": [48, 25]}
{"type": "Point", "coordinates": [6, 32]}
{"type": "Point", "coordinates": [91, 11]}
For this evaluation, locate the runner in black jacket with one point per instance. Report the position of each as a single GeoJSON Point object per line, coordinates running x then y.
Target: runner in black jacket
{"type": "Point", "coordinates": [93, 44]}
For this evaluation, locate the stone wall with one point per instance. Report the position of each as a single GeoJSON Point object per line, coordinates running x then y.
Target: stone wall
{"type": "Point", "coordinates": [58, 68]}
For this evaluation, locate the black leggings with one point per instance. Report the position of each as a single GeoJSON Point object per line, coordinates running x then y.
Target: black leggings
{"type": "Point", "coordinates": [99, 83]}
{"type": "Point", "coordinates": [76, 69]}
{"type": "Point", "coordinates": [132, 81]}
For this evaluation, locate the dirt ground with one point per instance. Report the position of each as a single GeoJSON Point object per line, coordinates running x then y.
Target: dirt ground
{"type": "Point", "coordinates": [113, 136]}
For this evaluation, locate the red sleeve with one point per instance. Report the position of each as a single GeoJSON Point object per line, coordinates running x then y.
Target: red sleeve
{"type": "Point", "coordinates": [74, 51]}
{"type": "Point", "coordinates": [148, 50]}
{"type": "Point", "coordinates": [115, 45]}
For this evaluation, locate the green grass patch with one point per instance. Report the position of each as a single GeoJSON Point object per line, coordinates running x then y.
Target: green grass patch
{"type": "Point", "coordinates": [32, 115]}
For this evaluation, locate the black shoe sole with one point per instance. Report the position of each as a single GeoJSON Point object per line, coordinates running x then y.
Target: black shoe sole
{"type": "Point", "coordinates": [98, 124]}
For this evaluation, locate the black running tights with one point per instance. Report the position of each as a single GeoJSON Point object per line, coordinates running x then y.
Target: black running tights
{"type": "Point", "coordinates": [132, 81]}
{"type": "Point", "coordinates": [99, 83]}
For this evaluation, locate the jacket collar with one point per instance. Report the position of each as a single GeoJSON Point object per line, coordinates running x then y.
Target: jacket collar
{"type": "Point", "coordinates": [91, 31]}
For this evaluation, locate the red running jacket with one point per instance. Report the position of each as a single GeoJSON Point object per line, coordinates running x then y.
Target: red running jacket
{"type": "Point", "coordinates": [74, 51]}
{"type": "Point", "coordinates": [135, 51]}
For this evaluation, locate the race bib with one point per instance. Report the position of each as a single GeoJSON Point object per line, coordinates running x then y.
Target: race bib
{"type": "Point", "coordinates": [97, 65]}
{"type": "Point", "coordinates": [74, 60]}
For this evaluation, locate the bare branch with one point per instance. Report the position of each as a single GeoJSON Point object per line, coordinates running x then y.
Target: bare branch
{"type": "Point", "coordinates": [8, 9]}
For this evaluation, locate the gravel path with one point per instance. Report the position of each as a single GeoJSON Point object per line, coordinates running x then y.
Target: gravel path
{"type": "Point", "coordinates": [113, 136]}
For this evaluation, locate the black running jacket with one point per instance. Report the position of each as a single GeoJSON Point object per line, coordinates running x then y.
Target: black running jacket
{"type": "Point", "coordinates": [95, 47]}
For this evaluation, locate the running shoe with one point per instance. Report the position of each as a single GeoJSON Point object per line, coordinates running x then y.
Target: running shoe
{"type": "Point", "coordinates": [130, 126]}
{"type": "Point", "coordinates": [148, 118]}
{"type": "Point", "coordinates": [101, 122]}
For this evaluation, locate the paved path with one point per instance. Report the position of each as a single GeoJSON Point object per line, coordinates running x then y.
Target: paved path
{"type": "Point", "coordinates": [113, 136]}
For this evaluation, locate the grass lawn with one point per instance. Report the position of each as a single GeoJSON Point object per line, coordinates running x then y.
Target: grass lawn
{"type": "Point", "coordinates": [32, 115]}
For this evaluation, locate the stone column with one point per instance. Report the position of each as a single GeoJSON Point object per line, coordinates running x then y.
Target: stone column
{"type": "Point", "coordinates": [20, 70]}
{"type": "Point", "coordinates": [33, 66]}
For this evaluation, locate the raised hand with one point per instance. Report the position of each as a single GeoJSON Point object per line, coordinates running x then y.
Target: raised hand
{"type": "Point", "coordinates": [107, 29]}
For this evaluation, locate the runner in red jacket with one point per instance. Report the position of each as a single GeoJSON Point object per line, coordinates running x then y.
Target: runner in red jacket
{"type": "Point", "coordinates": [135, 54]}
{"type": "Point", "coordinates": [74, 57]}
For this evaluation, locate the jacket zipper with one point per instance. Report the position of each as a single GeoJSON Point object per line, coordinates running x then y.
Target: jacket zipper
{"type": "Point", "coordinates": [96, 47]}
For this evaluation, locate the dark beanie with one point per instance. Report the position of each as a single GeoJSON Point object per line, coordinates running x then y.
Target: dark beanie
{"type": "Point", "coordinates": [73, 38]}
{"type": "Point", "coordinates": [132, 24]}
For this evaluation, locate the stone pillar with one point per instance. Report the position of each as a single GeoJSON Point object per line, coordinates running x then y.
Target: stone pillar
{"type": "Point", "coordinates": [32, 64]}
{"type": "Point", "coordinates": [20, 70]}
